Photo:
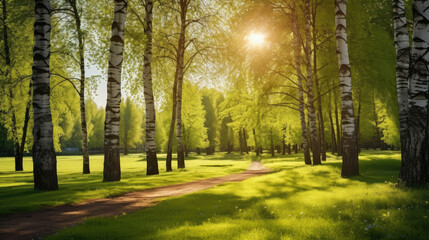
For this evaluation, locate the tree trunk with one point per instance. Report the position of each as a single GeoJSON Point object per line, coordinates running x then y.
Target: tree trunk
{"type": "Point", "coordinates": [272, 143]}
{"type": "Point", "coordinates": [25, 127]}
{"type": "Point", "coordinates": [112, 166]}
{"type": "Point", "coordinates": [297, 47]}
{"type": "Point", "coordinates": [415, 162]}
{"type": "Point", "coordinates": [350, 156]}
{"type": "Point", "coordinates": [315, 147]}
{"type": "Point", "coordinates": [240, 138]}
{"type": "Point", "coordinates": [246, 149]}
{"type": "Point", "coordinates": [283, 146]}
{"type": "Point", "coordinates": [288, 149]}
{"type": "Point", "coordinates": [333, 139]}
{"type": "Point", "coordinates": [82, 87]}
{"type": "Point", "coordinates": [318, 92]}
{"type": "Point", "coordinates": [179, 75]}
{"type": "Point", "coordinates": [256, 142]}
{"type": "Point", "coordinates": [171, 132]}
{"type": "Point", "coordinates": [402, 44]}
{"type": "Point", "coordinates": [151, 158]}
{"type": "Point", "coordinates": [16, 147]}
{"type": "Point", "coordinates": [44, 158]}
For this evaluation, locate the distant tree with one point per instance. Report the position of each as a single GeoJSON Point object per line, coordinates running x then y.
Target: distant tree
{"type": "Point", "coordinates": [130, 131]}
{"type": "Point", "coordinates": [210, 123]}
{"type": "Point", "coordinates": [195, 134]}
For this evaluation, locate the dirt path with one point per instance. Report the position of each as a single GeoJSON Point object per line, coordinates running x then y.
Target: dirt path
{"type": "Point", "coordinates": [48, 221]}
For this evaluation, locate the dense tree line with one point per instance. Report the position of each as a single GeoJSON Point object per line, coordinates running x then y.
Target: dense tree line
{"type": "Point", "coordinates": [278, 76]}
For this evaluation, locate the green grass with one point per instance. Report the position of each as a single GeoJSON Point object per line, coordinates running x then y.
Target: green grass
{"type": "Point", "coordinates": [295, 202]}
{"type": "Point", "coordinates": [17, 194]}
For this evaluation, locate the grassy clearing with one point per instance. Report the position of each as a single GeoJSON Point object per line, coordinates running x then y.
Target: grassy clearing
{"type": "Point", "coordinates": [295, 202]}
{"type": "Point", "coordinates": [17, 194]}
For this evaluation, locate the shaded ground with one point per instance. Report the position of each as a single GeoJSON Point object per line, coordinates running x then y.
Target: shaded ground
{"type": "Point", "coordinates": [48, 221]}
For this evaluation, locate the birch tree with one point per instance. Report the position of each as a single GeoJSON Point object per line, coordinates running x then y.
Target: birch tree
{"type": "Point", "coordinates": [112, 167]}
{"type": "Point", "coordinates": [151, 159]}
{"type": "Point", "coordinates": [44, 158]}
{"type": "Point", "coordinates": [297, 47]}
{"type": "Point", "coordinates": [402, 46]}
{"type": "Point", "coordinates": [310, 97]}
{"type": "Point", "coordinates": [350, 165]}
{"type": "Point", "coordinates": [415, 161]}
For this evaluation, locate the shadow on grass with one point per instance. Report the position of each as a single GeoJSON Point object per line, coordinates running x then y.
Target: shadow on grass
{"type": "Point", "coordinates": [296, 203]}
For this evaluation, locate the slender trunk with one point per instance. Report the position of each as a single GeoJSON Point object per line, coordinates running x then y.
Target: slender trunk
{"type": "Point", "coordinates": [240, 138]}
{"type": "Point", "coordinates": [333, 139]}
{"type": "Point", "coordinates": [415, 162]}
{"type": "Point", "coordinates": [297, 47]}
{"type": "Point", "coordinates": [186, 142]}
{"type": "Point", "coordinates": [288, 149]}
{"type": "Point", "coordinates": [350, 156]}
{"type": "Point", "coordinates": [16, 147]}
{"type": "Point", "coordinates": [315, 147]}
{"type": "Point", "coordinates": [171, 132]}
{"type": "Point", "coordinates": [318, 92]}
{"type": "Point", "coordinates": [283, 145]}
{"type": "Point", "coordinates": [246, 149]}
{"type": "Point", "coordinates": [256, 142]}
{"type": "Point", "coordinates": [151, 158]}
{"type": "Point", "coordinates": [82, 87]}
{"type": "Point", "coordinates": [272, 142]}
{"type": "Point", "coordinates": [25, 127]}
{"type": "Point", "coordinates": [338, 126]}
{"type": "Point", "coordinates": [179, 75]}
{"type": "Point", "coordinates": [112, 166]}
{"type": "Point", "coordinates": [44, 158]}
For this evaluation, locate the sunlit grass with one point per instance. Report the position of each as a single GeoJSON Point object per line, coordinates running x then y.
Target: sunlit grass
{"type": "Point", "coordinates": [295, 202]}
{"type": "Point", "coordinates": [17, 194]}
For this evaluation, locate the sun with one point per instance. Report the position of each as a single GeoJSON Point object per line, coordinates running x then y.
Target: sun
{"type": "Point", "coordinates": [256, 39]}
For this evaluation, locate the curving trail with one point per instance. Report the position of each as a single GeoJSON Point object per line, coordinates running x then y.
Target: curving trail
{"type": "Point", "coordinates": [44, 222]}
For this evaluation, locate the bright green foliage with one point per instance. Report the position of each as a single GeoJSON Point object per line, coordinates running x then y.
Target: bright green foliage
{"type": "Point", "coordinates": [193, 116]}
{"type": "Point", "coordinates": [210, 121]}
{"type": "Point", "coordinates": [95, 120]}
{"type": "Point", "coordinates": [130, 127]}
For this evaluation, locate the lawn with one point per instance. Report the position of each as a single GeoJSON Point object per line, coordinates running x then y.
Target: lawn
{"type": "Point", "coordinates": [17, 194]}
{"type": "Point", "coordinates": [294, 202]}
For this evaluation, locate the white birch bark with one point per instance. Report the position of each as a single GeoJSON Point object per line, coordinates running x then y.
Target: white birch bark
{"type": "Point", "coordinates": [402, 46]}
{"type": "Point", "coordinates": [415, 161]}
{"type": "Point", "coordinates": [151, 159]}
{"type": "Point", "coordinates": [310, 97]}
{"type": "Point", "coordinates": [112, 168]}
{"type": "Point", "coordinates": [297, 55]}
{"type": "Point", "coordinates": [44, 158]}
{"type": "Point", "coordinates": [350, 155]}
